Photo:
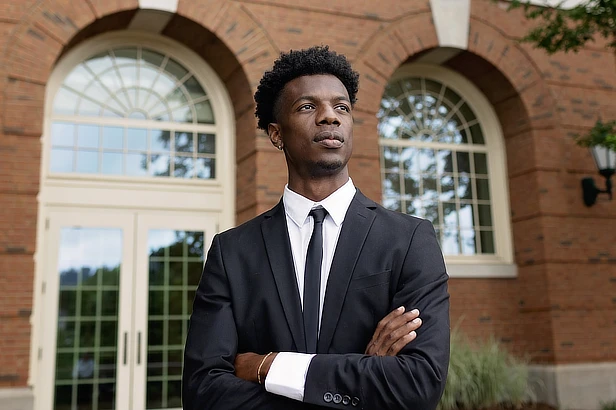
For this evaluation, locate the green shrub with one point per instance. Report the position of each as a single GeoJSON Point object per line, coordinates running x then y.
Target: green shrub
{"type": "Point", "coordinates": [484, 375]}
{"type": "Point", "coordinates": [610, 405]}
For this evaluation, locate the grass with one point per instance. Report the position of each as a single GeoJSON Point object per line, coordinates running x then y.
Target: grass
{"type": "Point", "coordinates": [484, 375]}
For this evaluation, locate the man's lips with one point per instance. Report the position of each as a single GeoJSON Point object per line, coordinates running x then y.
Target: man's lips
{"type": "Point", "coordinates": [329, 139]}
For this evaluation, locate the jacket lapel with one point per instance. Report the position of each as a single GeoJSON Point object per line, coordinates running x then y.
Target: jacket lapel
{"type": "Point", "coordinates": [276, 237]}
{"type": "Point", "coordinates": [355, 228]}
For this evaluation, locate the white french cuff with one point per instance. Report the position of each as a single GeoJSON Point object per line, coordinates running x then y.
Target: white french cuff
{"type": "Point", "coordinates": [287, 375]}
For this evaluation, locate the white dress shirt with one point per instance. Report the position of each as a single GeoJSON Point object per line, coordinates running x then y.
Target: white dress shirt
{"type": "Point", "coordinates": [287, 374]}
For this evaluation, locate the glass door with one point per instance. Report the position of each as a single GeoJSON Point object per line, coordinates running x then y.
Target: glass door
{"type": "Point", "coordinates": [89, 286]}
{"type": "Point", "coordinates": [120, 289]}
{"type": "Point", "coordinates": [170, 254]}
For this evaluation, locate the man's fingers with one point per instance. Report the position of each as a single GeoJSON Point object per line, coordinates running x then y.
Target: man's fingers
{"type": "Point", "coordinates": [394, 324]}
{"type": "Point", "coordinates": [391, 328]}
{"type": "Point", "coordinates": [383, 322]}
{"type": "Point", "coordinates": [400, 343]}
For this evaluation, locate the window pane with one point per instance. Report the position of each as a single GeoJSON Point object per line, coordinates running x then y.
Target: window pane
{"type": "Point", "coordinates": [466, 216]}
{"type": "Point", "coordinates": [137, 139]}
{"type": "Point", "coordinates": [464, 190]}
{"type": "Point", "coordinates": [175, 69]}
{"type": "Point", "coordinates": [487, 242]}
{"type": "Point", "coordinates": [113, 138]}
{"type": "Point", "coordinates": [411, 185]}
{"type": "Point", "coordinates": [450, 214]}
{"type": "Point", "coordinates": [447, 188]}
{"type": "Point", "coordinates": [183, 167]}
{"type": "Point", "coordinates": [427, 161]}
{"type": "Point", "coordinates": [125, 55]}
{"type": "Point", "coordinates": [182, 114]}
{"type": "Point", "coordinates": [152, 58]}
{"type": "Point", "coordinates": [481, 164]}
{"type": "Point", "coordinates": [485, 215]}
{"type": "Point", "coordinates": [87, 136]}
{"type": "Point", "coordinates": [194, 88]}
{"type": "Point", "coordinates": [463, 161]}
{"type": "Point", "coordinates": [392, 203]}
{"type": "Point", "coordinates": [112, 163]}
{"type": "Point", "coordinates": [206, 144]}
{"type": "Point", "coordinates": [184, 142]}
{"type": "Point", "coordinates": [205, 115]}
{"type": "Point", "coordinates": [65, 102]}
{"type": "Point", "coordinates": [477, 134]}
{"type": "Point", "coordinates": [483, 189]}
{"type": "Point", "coordinates": [160, 140]}
{"type": "Point", "coordinates": [159, 165]}
{"type": "Point", "coordinates": [63, 134]}
{"type": "Point", "coordinates": [469, 246]}
{"type": "Point", "coordinates": [451, 241]}
{"type": "Point", "coordinates": [205, 168]}
{"type": "Point", "coordinates": [136, 164]}
{"type": "Point", "coordinates": [390, 158]}
{"type": "Point", "coordinates": [87, 161]}
{"type": "Point", "coordinates": [429, 188]}
{"type": "Point", "coordinates": [431, 212]}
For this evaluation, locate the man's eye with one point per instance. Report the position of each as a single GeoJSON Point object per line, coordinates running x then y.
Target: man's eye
{"type": "Point", "coordinates": [343, 108]}
{"type": "Point", "coordinates": [306, 107]}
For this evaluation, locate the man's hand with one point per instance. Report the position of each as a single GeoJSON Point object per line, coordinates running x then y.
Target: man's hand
{"type": "Point", "coordinates": [247, 365]}
{"type": "Point", "coordinates": [393, 332]}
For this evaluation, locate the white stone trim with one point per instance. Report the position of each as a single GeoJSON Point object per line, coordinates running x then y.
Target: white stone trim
{"type": "Point", "coordinates": [19, 398]}
{"type": "Point", "coordinates": [580, 386]}
{"type": "Point", "coordinates": [170, 6]}
{"type": "Point", "coordinates": [478, 270]}
{"type": "Point", "coordinates": [451, 21]}
{"type": "Point", "coordinates": [152, 21]}
{"type": "Point", "coordinates": [565, 4]}
{"type": "Point", "coordinates": [500, 265]}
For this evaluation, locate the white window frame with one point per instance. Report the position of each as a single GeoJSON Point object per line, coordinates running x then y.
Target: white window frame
{"type": "Point", "coordinates": [501, 263]}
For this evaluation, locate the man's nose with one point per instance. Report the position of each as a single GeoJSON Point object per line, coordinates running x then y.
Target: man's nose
{"type": "Point", "coordinates": [328, 116]}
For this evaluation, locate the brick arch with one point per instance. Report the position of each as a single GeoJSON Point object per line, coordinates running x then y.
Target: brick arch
{"type": "Point", "coordinates": [408, 37]}
{"type": "Point", "coordinates": [223, 33]}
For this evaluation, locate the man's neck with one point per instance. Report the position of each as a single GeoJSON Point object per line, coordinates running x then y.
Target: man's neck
{"type": "Point", "coordinates": [318, 189]}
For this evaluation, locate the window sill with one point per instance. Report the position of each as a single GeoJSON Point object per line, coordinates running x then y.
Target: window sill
{"type": "Point", "coordinates": [469, 270]}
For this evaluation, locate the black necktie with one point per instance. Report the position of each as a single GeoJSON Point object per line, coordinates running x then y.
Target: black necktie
{"type": "Point", "coordinates": [312, 281]}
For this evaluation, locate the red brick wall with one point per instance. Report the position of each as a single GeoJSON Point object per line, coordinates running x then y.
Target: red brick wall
{"type": "Point", "coordinates": [562, 306]}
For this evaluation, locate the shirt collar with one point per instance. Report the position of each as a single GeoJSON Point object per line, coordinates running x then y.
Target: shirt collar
{"type": "Point", "coordinates": [297, 207]}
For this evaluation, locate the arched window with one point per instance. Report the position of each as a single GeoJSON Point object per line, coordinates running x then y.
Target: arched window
{"type": "Point", "coordinates": [133, 111]}
{"type": "Point", "coordinates": [442, 158]}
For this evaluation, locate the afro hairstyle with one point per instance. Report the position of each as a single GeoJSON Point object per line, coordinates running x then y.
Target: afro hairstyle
{"type": "Point", "coordinates": [311, 61]}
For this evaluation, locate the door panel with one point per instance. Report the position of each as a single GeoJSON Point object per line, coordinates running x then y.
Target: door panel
{"type": "Point", "coordinates": [90, 273]}
{"type": "Point", "coordinates": [173, 252]}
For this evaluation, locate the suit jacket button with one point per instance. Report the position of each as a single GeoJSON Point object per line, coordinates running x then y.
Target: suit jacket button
{"type": "Point", "coordinates": [346, 400]}
{"type": "Point", "coordinates": [328, 397]}
{"type": "Point", "coordinates": [355, 401]}
{"type": "Point", "coordinates": [337, 398]}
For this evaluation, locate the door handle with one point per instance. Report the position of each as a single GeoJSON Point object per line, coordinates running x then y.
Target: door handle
{"type": "Point", "coordinates": [138, 347]}
{"type": "Point", "coordinates": [124, 349]}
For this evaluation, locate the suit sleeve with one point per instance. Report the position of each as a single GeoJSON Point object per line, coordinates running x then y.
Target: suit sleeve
{"type": "Point", "coordinates": [415, 378]}
{"type": "Point", "coordinates": [209, 380]}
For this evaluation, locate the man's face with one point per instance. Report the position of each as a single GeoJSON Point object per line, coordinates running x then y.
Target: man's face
{"type": "Point", "coordinates": [315, 126]}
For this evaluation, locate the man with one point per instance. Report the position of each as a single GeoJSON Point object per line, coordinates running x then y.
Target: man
{"type": "Point", "coordinates": [315, 303]}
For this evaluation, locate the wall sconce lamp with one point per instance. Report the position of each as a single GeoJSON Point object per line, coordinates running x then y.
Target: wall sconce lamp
{"type": "Point", "coordinates": [605, 159]}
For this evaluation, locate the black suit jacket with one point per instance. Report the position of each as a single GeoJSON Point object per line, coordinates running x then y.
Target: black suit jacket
{"type": "Point", "coordinates": [248, 301]}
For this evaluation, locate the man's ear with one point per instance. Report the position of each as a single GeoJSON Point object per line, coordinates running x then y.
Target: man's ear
{"type": "Point", "coordinates": [273, 130]}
